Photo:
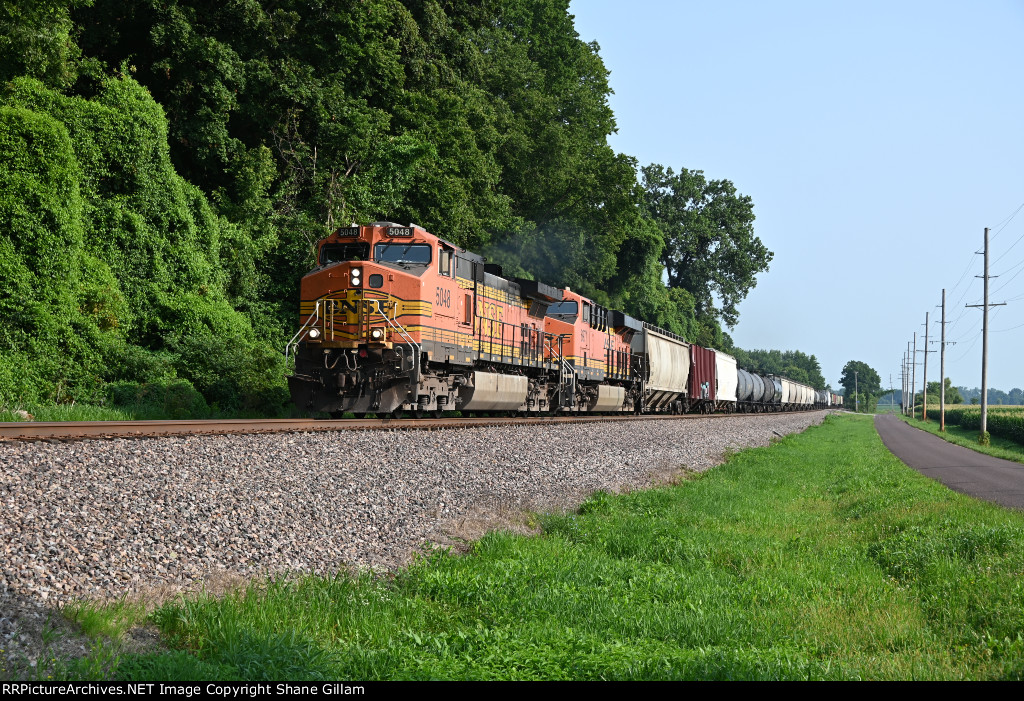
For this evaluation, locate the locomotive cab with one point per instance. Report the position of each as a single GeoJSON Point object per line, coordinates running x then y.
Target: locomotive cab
{"type": "Point", "coordinates": [394, 319]}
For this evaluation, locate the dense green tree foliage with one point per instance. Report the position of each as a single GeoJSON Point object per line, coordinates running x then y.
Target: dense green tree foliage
{"type": "Point", "coordinates": [36, 40]}
{"type": "Point", "coordinates": [710, 248]}
{"type": "Point", "coordinates": [862, 386]}
{"type": "Point", "coordinates": [111, 261]}
{"type": "Point", "coordinates": [952, 394]}
{"type": "Point", "coordinates": [167, 165]}
{"type": "Point", "coordinates": [1014, 397]}
{"type": "Point", "coordinates": [795, 365]}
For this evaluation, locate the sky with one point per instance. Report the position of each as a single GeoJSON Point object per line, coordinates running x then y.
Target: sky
{"type": "Point", "coordinates": [877, 141]}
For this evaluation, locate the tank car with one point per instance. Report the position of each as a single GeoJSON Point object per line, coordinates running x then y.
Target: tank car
{"type": "Point", "coordinates": [394, 319]}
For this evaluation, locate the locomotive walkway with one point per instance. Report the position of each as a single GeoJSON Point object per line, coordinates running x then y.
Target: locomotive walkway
{"type": "Point", "coordinates": [959, 468]}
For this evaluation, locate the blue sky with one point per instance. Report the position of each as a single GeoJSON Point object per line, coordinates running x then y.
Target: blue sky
{"type": "Point", "coordinates": [876, 139]}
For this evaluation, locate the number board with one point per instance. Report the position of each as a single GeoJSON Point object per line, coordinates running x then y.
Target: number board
{"type": "Point", "coordinates": [399, 231]}
{"type": "Point", "coordinates": [348, 231]}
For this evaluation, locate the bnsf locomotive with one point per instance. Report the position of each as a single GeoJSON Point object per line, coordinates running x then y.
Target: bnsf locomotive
{"type": "Point", "coordinates": [396, 320]}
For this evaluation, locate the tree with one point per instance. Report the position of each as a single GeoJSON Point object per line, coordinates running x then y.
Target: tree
{"type": "Point", "coordinates": [710, 247]}
{"type": "Point", "coordinates": [952, 394]}
{"type": "Point", "coordinates": [36, 40]}
{"type": "Point", "coordinates": [862, 386]}
{"type": "Point", "coordinates": [795, 365]}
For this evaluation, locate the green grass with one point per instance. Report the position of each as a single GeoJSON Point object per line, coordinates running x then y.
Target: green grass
{"type": "Point", "coordinates": [66, 412]}
{"type": "Point", "coordinates": [968, 438]}
{"type": "Point", "coordinates": [136, 412]}
{"type": "Point", "coordinates": [820, 557]}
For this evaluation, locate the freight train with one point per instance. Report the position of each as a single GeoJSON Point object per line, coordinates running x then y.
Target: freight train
{"type": "Point", "coordinates": [394, 320]}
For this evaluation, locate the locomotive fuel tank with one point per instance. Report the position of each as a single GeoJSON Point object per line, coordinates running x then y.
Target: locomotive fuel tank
{"type": "Point", "coordinates": [491, 391]}
{"type": "Point", "coordinates": [394, 319]}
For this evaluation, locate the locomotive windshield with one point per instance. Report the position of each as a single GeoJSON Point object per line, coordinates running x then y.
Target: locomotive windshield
{"type": "Point", "coordinates": [339, 252]}
{"type": "Point", "coordinates": [564, 311]}
{"type": "Point", "coordinates": [401, 252]}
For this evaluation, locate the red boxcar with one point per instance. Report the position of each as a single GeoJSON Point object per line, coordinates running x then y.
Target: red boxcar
{"type": "Point", "coordinates": [702, 380]}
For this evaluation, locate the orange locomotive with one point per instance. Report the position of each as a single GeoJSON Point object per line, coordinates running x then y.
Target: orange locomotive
{"type": "Point", "coordinates": [395, 319]}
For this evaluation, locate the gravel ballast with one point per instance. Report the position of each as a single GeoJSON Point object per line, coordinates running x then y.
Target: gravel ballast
{"type": "Point", "coordinates": [105, 519]}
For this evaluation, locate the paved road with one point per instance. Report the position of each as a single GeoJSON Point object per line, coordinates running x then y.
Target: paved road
{"type": "Point", "coordinates": [959, 468]}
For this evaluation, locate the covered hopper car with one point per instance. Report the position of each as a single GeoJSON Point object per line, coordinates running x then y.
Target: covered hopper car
{"type": "Point", "coordinates": [395, 320]}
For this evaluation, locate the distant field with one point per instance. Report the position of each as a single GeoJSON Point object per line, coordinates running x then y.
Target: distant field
{"type": "Point", "coordinates": [820, 557]}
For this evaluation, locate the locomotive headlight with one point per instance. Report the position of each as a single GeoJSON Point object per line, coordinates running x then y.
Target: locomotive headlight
{"type": "Point", "coordinates": [357, 276]}
{"type": "Point", "coordinates": [314, 334]}
{"type": "Point", "coordinates": [377, 334]}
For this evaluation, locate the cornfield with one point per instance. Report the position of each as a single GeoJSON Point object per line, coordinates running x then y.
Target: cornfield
{"type": "Point", "coordinates": [1003, 422]}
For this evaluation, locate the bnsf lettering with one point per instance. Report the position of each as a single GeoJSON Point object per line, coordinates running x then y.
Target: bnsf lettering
{"type": "Point", "coordinates": [351, 308]}
{"type": "Point", "coordinates": [443, 297]}
{"type": "Point", "coordinates": [491, 314]}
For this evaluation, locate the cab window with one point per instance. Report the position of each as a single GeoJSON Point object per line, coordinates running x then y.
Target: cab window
{"type": "Point", "coordinates": [340, 252]}
{"type": "Point", "coordinates": [407, 253]}
{"type": "Point", "coordinates": [444, 262]}
{"type": "Point", "coordinates": [564, 311]}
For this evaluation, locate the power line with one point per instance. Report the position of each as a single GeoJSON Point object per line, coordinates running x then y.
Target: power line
{"type": "Point", "coordinates": [967, 352]}
{"type": "Point", "coordinates": [1003, 224]}
{"type": "Point", "coordinates": [1012, 328]}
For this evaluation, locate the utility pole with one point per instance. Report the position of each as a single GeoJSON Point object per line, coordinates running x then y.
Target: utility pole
{"type": "Point", "coordinates": [942, 369]}
{"type": "Point", "coordinates": [913, 380]}
{"type": "Point", "coordinates": [856, 397]}
{"type": "Point", "coordinates": [984, 343]}
{"type": "Point", "coordinates": [924, 382]}
{"type": "Point", "coordinates": [903, 384]}
{"type": "Point", "coordinates": [906, 383]}
{"type": "Point", "coordinates": [910, 404]}
{"type": "Point", "coordinates": [924, 389]}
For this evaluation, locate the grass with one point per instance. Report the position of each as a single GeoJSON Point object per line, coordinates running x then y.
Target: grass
{"type": "Point", "coordinates": [137, 412]}
{"type": "Point", "coordinates": [820, 557]}
{"type": "Point", "coordinates": [968, 438]}
{"type": "Point", "coordinates": [65, 412]}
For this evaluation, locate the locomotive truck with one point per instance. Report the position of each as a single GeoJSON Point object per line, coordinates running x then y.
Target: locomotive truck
{"type": "Point", "coordinates": [395, 320]}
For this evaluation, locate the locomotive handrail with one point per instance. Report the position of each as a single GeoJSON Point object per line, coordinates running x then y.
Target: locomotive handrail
{"type": "Point", "coordinates": [566, 373]}
{"type": "Point", "coordinates": [303, 330]}
{"type": "Point", "coordinates": [414, 348]}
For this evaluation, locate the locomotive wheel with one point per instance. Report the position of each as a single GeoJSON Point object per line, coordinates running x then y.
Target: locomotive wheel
{"type": "Point", "coordinates": [337, 414]}
{"type": "Point", "coordinates": [398, 414]}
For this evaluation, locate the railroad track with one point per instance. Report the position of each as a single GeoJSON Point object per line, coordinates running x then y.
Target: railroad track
{"type": "Point", "coordinates": [80, 430]}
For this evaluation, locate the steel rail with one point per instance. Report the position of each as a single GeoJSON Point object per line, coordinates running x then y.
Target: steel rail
{"type": "Point", "coordinates": [78, 430]}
